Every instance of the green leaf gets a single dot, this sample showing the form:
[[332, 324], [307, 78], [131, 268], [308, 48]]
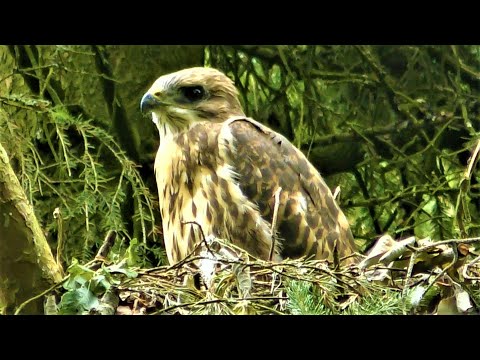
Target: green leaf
[[79, 275], [77, 301], [99, 284]]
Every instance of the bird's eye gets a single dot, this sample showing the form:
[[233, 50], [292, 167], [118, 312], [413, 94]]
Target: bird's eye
[[192, 93]]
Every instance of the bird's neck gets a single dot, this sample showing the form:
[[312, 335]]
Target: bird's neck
[[169, 132], [165, 131]]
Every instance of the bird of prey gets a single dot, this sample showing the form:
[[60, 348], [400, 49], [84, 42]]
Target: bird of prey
[[234, 177]]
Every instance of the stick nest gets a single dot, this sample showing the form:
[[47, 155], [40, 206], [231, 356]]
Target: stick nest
[[409, 276]]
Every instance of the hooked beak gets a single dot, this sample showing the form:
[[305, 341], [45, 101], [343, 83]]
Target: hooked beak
[[148, 103]]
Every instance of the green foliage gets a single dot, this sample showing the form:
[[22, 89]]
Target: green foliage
[[70, 163], [306, 298], [476, 296], [70, 121], [81, 288], [85, 287], [384, 301]]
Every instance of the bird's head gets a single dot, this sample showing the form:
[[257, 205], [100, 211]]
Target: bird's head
[[192, 95]]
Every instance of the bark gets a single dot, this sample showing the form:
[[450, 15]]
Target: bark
[[27, 266]]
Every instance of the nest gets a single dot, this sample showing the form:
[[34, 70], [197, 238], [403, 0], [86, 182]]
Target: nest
[[218, 278], [410, 276]]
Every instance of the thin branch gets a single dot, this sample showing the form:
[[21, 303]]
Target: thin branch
[[106, 245], [276, 195], [366, 195], [204, 240], [214, 301], [448, 242], [444, 270], [60, 241]]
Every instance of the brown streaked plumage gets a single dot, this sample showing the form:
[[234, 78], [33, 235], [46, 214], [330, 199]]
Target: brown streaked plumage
[[221, 169]]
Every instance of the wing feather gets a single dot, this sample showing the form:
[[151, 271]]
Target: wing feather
[[309, 220]]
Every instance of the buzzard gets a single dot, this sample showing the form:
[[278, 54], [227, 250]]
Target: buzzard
[[235, 178]]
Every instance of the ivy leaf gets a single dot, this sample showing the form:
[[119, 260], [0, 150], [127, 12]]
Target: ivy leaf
[[79, 275], [77, 302], [99, 284]]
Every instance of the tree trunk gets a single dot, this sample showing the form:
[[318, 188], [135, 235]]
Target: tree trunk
[[27, 266]]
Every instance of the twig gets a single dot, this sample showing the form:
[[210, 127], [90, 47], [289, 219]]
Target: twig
[[461, 208], [51, 288], [407, 277], [204, 240], [455, 258], [274, 221], [444, 242], [474, 74], [324, 271], [366, 195], [343, 258], [472, 161], [206, 302], [106, 245], [60, 243]]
